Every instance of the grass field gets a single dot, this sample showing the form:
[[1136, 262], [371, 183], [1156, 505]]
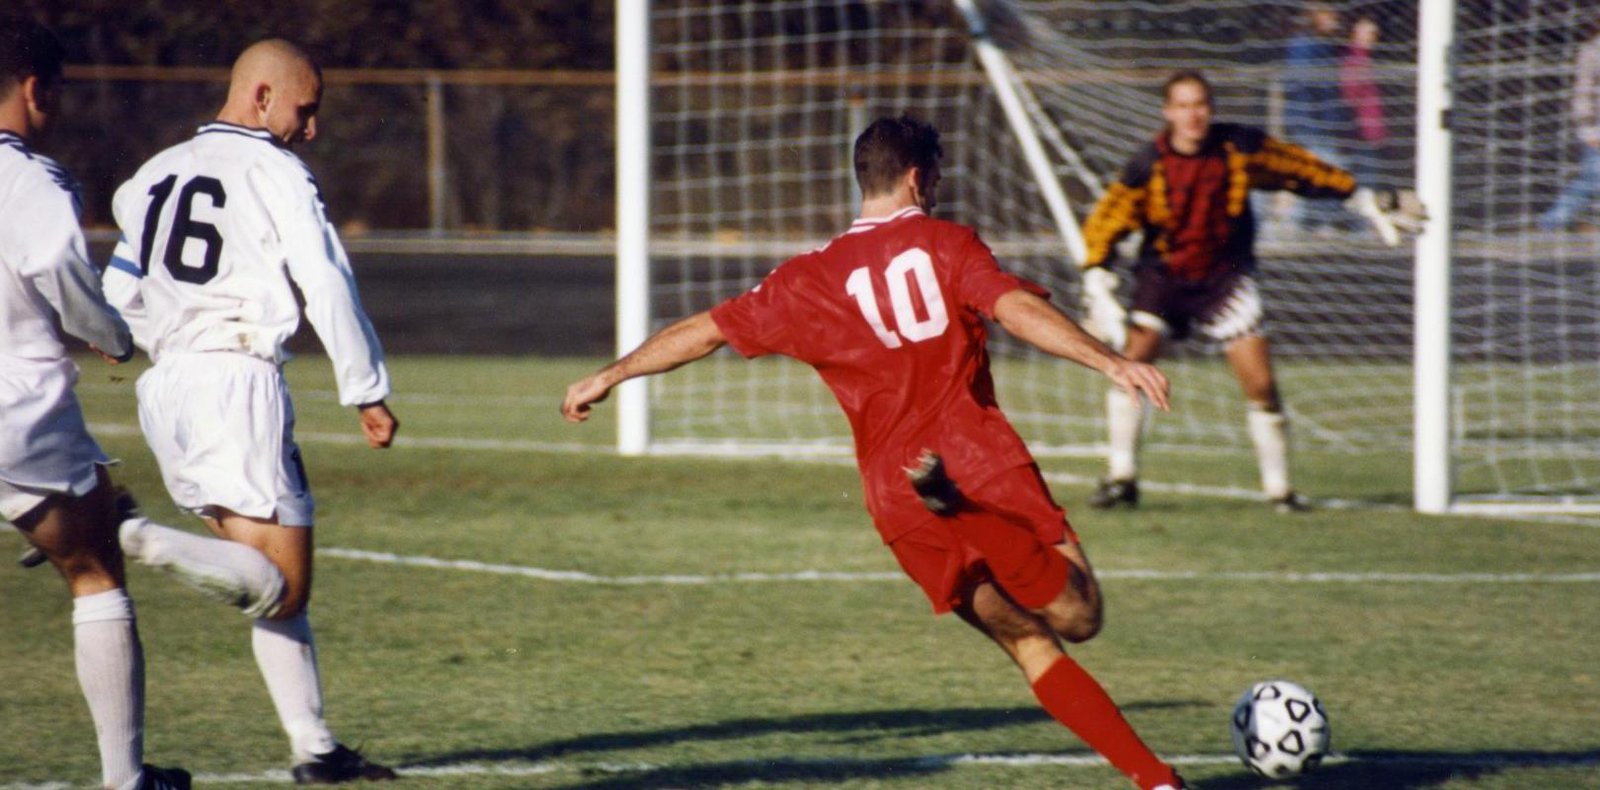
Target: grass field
[[502, 604]]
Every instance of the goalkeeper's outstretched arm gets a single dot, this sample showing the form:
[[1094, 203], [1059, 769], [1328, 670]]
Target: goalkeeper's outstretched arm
[[1392, 214], [1035, 321], [677, 345]]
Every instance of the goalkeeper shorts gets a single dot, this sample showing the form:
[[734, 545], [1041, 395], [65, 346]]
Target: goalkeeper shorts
[[1006, 534], [1221, 307]]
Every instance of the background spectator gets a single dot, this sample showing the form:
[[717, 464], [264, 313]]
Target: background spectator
[[1315, 115], [1580, 192]]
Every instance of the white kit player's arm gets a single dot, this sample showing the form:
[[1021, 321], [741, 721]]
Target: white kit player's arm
[[121, 280], [58, 266], [318, 265]]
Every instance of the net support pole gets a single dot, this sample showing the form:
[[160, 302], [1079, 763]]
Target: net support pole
[[438, 175], [1432, 478], [633, 215], [1004, 80]]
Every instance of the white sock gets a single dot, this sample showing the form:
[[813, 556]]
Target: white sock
[[1270, 432], [110, 663], [229, 572], [287, 657], [1123, 420]]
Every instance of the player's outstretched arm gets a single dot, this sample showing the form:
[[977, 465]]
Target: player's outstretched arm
[[1034, 320], [679, 344]]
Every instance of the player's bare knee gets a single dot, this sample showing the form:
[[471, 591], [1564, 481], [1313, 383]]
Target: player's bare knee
[[1081, 628], [293, 601], [1073, 619], [85, 570]]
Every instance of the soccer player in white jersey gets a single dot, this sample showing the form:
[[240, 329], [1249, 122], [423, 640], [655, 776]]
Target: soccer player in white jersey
[[216, 230], [53, 483]]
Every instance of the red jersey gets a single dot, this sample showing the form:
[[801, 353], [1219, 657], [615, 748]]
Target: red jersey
[[890, 314]]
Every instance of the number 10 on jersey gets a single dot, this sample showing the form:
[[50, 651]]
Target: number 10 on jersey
[[911, 263]]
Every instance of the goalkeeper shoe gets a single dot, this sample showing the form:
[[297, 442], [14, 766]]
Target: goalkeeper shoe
[[341, 765], [938, 492], [1111, 493], [1291, 503], [31, 558], [153, 778]]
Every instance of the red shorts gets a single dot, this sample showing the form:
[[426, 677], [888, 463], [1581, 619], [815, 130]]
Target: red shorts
[[1005, 534]]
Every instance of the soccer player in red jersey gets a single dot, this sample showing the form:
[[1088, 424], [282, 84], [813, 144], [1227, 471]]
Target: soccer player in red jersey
[[891, 315]]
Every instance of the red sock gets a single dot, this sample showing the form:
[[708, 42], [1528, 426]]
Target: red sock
[[1076, 699]]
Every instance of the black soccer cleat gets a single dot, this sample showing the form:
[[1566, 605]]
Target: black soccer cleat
[[938, 492], [125, 506], [32, 557], [1291, 503], [1110, 493], [341, 765], [153, 778]]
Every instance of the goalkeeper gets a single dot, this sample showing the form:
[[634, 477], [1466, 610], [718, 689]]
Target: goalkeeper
[[1189, 192]]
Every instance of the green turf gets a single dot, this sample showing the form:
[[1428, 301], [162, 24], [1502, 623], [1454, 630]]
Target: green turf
[[846, 684]]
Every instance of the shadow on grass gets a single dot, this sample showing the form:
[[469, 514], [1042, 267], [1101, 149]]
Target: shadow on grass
[[1398, 770], [859, 727]]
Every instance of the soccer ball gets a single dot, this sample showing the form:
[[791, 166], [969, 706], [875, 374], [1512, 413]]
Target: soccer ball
[[1279, 729]]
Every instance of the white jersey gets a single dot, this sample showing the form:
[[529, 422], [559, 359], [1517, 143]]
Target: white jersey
[[216, 231], [45, 275]]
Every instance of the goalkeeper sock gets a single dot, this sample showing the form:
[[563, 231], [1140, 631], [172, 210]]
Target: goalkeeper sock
[[1123, 420], [1269, 430], [230, 572], [1073, 697], [287, 656], [110, 664]]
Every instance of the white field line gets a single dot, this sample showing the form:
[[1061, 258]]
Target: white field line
[[831, 456], [437, 443], [939, 761], [427, 398], [582, 577]]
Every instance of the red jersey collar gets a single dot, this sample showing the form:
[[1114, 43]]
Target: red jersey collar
[[1164, 143], [866, 224]]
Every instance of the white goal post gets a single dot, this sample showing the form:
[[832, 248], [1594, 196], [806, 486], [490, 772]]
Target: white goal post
[[1475, 351]]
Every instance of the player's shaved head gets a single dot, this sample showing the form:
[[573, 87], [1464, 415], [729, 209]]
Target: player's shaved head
[[275, 86], [890, 147], [272, 61]]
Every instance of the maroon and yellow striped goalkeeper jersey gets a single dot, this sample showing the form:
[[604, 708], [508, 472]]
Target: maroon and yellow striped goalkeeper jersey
[[1195, 210]]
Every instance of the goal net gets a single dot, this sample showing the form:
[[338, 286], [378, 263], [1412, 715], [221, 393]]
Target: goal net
[[755, 106]]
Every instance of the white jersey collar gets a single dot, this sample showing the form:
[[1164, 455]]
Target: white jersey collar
[[223, 127], [868, 223], [13, 139]]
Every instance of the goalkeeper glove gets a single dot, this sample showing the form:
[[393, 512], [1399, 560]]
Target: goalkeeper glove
[[1391, 213], [1107, 319]]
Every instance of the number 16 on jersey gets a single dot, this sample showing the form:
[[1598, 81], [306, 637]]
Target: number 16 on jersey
[[184, 227]]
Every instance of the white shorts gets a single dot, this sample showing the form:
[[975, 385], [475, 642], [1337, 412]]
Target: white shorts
[[221, 426], [45, 448], [17, 501]]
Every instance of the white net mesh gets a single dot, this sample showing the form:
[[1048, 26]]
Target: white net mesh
[[756, 105], [1526, 323]]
